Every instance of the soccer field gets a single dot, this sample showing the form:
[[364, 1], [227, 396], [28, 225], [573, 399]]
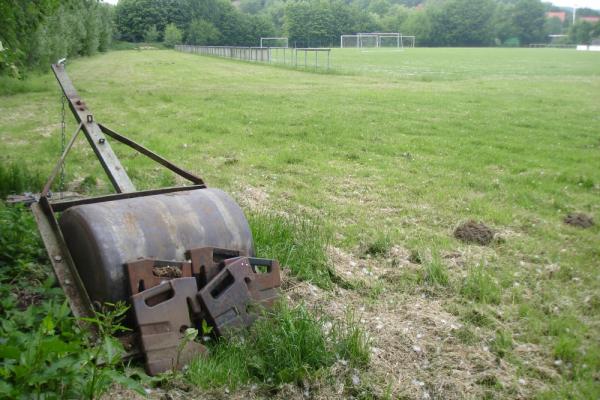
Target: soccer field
[[390, 152]]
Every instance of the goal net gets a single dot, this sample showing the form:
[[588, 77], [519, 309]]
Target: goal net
[[349, 41], [375, 40], [274, 42]]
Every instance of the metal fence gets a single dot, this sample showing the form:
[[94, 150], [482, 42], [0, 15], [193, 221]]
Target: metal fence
[[552, 45], [239, 53], [308, 57]]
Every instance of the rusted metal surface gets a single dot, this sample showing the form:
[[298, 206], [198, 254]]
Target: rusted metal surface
[[163, 314], [233, 298], [62, 205], [62, 263], [265, 282], [145, 274], [102, 237], [111, 164], [206, 262]]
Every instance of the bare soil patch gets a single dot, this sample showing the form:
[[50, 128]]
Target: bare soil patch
[[474, 232], [579, 220]]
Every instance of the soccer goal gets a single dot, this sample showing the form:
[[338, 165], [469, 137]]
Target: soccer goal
[[349, 41], [274, 42], [376, 40]]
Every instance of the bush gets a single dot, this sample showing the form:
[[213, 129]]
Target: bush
[[172, 35]]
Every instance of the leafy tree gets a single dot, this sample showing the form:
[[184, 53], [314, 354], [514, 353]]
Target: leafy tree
[[553, 26], [202, 32], [581, 32], [528, 19], [172, 35], [463, 22], [151, 34]]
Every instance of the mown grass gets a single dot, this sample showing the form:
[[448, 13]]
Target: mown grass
[[392, 149]]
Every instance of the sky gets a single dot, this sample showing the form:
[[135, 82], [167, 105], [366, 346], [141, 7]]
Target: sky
[[563, 3]]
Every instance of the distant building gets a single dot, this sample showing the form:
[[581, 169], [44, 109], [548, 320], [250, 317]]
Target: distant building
[[590, 18], [557, 14]]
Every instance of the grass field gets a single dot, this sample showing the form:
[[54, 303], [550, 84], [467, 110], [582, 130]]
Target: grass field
[[390, 152]]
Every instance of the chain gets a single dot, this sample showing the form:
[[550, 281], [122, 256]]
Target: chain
[[63, 142]]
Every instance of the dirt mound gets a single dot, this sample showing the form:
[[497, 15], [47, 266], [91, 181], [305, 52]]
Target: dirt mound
[[579, 220], [474, 232]]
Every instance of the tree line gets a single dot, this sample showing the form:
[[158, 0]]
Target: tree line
[[310, 23], [35, 33], [212, 22]]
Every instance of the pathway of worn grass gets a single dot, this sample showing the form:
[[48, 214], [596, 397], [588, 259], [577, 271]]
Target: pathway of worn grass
[[390, 160]]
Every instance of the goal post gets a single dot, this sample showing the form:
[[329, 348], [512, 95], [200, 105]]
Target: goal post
[[349, 41], [407, 41], [274, 42], [366, 40]]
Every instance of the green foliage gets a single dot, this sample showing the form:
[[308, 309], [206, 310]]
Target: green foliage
[[16, 178], [582, 32], [313, 23], [172, 35], [462, 22], [45, 355], [37, 34], [212, 21], [19, 243], [151, 34], [298, 243], [201, 32], [43, 351], [502, 344], [481, 286], [435, 272], [378, 246], [287, 345]]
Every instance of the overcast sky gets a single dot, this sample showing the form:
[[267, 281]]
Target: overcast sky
[[563, 3]]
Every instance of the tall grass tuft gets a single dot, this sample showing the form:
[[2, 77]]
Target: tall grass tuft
[[435, 272], [481, 286], [287, 345], [297, 242], [16, 178]]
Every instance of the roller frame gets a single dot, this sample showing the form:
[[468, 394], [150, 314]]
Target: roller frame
[[44, 210]]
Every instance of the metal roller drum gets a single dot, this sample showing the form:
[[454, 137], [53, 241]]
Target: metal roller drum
[[102, 237]]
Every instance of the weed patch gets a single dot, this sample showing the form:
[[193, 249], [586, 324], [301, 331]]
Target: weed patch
[[298, 243], [378, 247], [16, 179], [502, 344], [287, 345], [481, 286], [435, 273]]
